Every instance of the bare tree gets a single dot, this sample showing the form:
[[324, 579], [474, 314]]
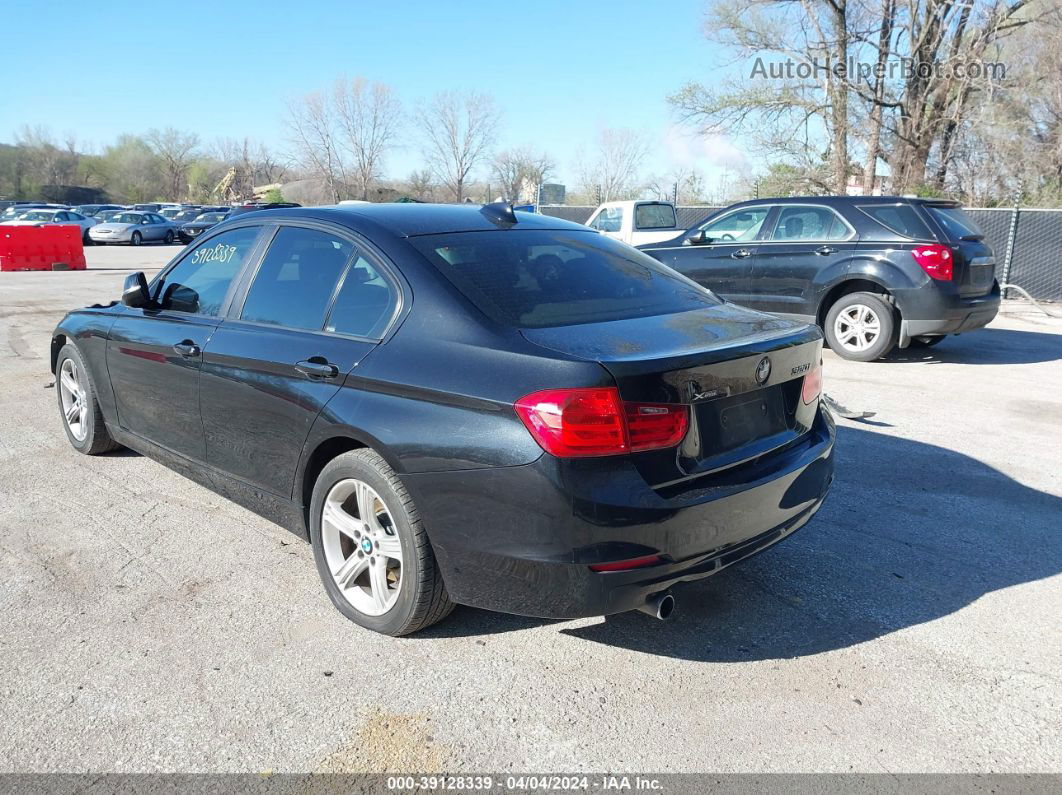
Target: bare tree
[[421, 185], [615, 165], [176, 150], [521, 171], [369, 115], [314, 132], [458, 129]]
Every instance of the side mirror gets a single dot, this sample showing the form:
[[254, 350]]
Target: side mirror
[[135, 291], [698, 238]]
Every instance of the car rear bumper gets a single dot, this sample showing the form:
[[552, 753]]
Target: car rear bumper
[[933, 312], [521, 539]]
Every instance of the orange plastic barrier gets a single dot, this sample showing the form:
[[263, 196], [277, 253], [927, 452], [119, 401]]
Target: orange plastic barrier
[[41, 248]]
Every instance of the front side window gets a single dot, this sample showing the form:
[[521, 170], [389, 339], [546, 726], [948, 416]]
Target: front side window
[[297, 278], [199, 282], [809, 223], [740, 225], [608, 220], [541, 279], [365, 302], [654, 216]]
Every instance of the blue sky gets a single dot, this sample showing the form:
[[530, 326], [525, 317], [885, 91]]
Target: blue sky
[[560, 71]]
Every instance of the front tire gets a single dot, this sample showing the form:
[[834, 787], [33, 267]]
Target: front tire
[[136, 239], [372, 550], [85, 239], [78, 407], [861, 327]]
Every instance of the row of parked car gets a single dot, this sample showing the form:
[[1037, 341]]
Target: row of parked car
[[103, 224]]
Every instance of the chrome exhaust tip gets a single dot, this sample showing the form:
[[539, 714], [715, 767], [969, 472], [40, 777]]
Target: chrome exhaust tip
[[661, 606]]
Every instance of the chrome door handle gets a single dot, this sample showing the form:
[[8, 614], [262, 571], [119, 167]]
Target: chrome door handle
[[824, 250], [316, 367], [187, 349], [741, 253]]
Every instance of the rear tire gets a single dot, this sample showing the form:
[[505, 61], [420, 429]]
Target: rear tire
[[78, 407], [169, 238], [85, 239], [371, 549], [135, 239], [861, 327]]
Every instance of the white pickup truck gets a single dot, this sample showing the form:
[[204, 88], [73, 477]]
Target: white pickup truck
[[636, 222]]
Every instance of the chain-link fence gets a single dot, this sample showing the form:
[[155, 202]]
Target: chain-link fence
[[1027, 242]]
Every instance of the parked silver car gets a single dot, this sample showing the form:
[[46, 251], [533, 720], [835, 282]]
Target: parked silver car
[[46, 216], [134, 228]]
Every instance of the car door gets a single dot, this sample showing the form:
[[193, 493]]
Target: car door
[[315, 307], [723, 262], [154, 354], [806, 243]]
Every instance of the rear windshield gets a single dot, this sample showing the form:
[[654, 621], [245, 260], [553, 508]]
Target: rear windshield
[[956, 223], [541, 279], [903, 219], [654, 216]]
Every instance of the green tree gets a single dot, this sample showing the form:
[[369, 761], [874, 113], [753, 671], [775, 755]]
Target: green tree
[[273, 196]]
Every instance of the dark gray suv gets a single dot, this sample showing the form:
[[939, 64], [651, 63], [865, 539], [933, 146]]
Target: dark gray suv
[[875, 272]]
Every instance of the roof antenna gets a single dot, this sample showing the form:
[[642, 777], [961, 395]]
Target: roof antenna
[[500, 213]]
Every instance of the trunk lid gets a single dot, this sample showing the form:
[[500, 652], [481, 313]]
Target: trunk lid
[[739, 372]]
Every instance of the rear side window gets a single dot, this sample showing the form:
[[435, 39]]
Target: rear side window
[[654, 216], [200, 281], [903, 219], [956, 223], [365, 302], [809, 223], [297, 278], [541, 279]]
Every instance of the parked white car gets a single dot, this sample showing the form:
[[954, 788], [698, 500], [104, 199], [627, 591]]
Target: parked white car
[[47, 216], [636, 222]]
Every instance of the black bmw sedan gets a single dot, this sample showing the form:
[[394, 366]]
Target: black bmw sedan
[[460, 404]]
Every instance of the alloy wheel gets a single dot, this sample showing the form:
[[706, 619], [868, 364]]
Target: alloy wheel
[[857, 327], [74, 400], [362, 547]]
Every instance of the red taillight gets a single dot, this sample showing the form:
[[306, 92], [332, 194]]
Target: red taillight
[[626, 565], [812, 387], [936, 260], [585, 422]]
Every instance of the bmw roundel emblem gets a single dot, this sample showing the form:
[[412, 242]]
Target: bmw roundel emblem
[[763, 370]]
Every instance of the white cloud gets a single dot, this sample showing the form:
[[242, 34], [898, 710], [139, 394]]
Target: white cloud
[[693, 150]]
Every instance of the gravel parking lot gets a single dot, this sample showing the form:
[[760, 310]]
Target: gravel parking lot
[[148, 624]]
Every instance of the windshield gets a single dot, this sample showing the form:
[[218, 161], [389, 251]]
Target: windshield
[[13, 213], [955, 222], [169, 212], [127, 218], [542, 279], [211, 217], [109, 215]]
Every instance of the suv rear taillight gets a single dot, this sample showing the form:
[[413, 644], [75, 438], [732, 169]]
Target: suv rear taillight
[[936, 260], [588, 422]]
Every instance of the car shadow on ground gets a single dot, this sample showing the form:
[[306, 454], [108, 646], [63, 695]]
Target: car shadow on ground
[[911, 533], [986, 346]]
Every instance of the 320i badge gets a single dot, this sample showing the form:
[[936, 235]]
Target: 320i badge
[[460, 404]]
